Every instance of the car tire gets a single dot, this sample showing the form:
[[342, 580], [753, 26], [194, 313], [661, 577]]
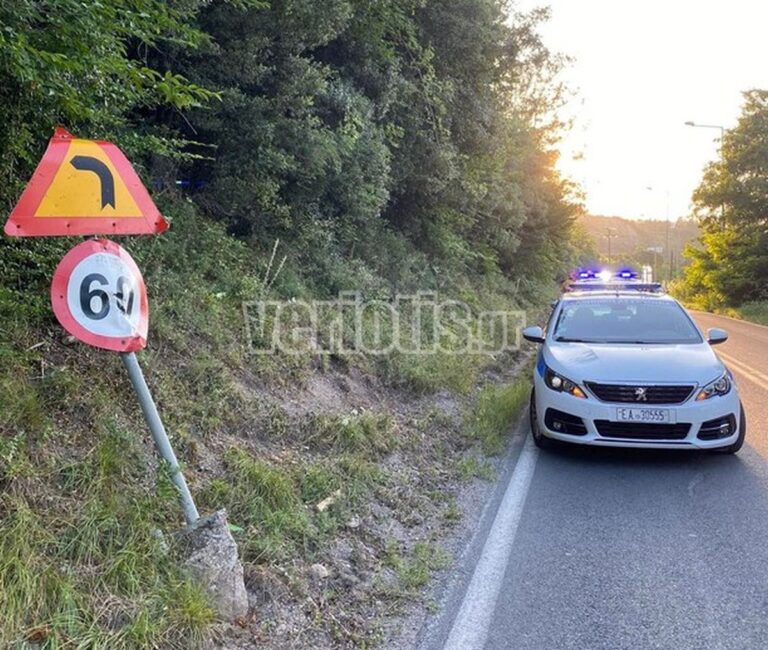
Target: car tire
[[734, 447], [540, 440]]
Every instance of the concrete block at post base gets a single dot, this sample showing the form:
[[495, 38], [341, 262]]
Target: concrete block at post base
[[209, 553]]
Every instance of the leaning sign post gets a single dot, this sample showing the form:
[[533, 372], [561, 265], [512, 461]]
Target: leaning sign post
[[85, 187]]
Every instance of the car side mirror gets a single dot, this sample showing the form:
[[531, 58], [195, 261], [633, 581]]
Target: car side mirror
[[715, 336], [534, 334]]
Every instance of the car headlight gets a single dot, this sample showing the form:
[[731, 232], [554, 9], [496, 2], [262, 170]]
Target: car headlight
[[562, 384], [721, 386]]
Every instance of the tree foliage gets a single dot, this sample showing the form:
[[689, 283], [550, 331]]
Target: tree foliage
[[352, 127], [731, 204], [395, 143], [85, 65]]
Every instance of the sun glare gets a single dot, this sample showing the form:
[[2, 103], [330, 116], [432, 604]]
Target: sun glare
[[641, 71]]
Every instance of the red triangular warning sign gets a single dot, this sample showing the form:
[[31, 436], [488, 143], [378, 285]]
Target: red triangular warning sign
[[84, 187]]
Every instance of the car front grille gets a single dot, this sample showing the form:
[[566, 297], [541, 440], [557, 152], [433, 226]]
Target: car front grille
[[642, 430], [626, 393]]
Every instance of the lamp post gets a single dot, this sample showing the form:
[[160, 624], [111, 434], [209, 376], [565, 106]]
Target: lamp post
[[708, 126], [722, 158], [610, 233], [666, 249]]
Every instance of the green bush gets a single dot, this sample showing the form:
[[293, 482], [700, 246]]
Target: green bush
[[495, 411]]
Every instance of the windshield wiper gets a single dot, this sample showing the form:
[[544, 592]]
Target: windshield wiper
[[565, 339]]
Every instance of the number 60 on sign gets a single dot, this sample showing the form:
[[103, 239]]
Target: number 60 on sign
[[98, 296]]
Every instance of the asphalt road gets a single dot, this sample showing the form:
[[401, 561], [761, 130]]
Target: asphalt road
[[612, 549], [746, 354]]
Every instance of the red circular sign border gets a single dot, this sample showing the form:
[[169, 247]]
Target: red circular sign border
[[64, 315]]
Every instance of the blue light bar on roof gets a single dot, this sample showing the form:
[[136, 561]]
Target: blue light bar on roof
[[616, 285], [626, 274]]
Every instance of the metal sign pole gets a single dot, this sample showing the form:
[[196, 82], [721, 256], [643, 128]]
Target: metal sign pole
[[158, 433]]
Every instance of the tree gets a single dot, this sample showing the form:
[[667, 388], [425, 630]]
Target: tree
[[86, 66], [346, 122], [731, 205]]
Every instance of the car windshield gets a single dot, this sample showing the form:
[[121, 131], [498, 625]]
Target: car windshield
[[619, 320]]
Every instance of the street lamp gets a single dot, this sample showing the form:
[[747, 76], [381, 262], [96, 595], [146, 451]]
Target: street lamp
[[722, 158], [708, 126]]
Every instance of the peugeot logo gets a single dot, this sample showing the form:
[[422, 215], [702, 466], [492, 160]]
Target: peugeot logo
[[640, 394]]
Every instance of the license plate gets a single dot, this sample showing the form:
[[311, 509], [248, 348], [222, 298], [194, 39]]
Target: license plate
[[663, 416]]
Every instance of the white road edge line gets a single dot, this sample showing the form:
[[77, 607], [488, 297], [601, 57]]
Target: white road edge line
[[472, 624], [750, 373]]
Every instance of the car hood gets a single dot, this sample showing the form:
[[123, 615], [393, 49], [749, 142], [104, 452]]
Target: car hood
[[635, 363]]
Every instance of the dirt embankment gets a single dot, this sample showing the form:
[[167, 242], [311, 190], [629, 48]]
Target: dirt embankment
[[370, 577]]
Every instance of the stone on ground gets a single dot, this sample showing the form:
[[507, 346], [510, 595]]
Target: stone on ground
[[209, 553]]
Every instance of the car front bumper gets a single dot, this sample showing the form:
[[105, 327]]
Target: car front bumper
[[592, 410]]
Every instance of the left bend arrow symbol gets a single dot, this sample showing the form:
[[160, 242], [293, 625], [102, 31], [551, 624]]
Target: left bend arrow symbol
[[90, 164]]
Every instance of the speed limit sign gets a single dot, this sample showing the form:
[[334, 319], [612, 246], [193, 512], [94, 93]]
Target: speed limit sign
[[98, 296]]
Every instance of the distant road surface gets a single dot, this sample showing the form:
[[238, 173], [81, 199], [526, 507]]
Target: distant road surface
[[602, 549]]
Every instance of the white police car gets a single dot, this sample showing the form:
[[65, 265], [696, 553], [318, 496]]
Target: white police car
[[623, 367]]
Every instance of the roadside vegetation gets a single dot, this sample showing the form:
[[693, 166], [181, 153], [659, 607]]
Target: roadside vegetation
[[757, 312], [727, 269], [496, 406], [299, 149]]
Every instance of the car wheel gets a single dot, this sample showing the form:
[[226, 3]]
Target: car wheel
[[734, 447], [541, 441]]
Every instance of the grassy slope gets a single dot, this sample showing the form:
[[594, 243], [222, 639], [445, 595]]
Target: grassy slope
[[85, 512], [757, 312]]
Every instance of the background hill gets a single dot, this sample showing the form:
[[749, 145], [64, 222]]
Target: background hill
[[634, 241]]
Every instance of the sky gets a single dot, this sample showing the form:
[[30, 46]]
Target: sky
[[640, 71]]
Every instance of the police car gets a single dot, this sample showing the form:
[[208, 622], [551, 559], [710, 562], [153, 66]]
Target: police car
[[622, 364]]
